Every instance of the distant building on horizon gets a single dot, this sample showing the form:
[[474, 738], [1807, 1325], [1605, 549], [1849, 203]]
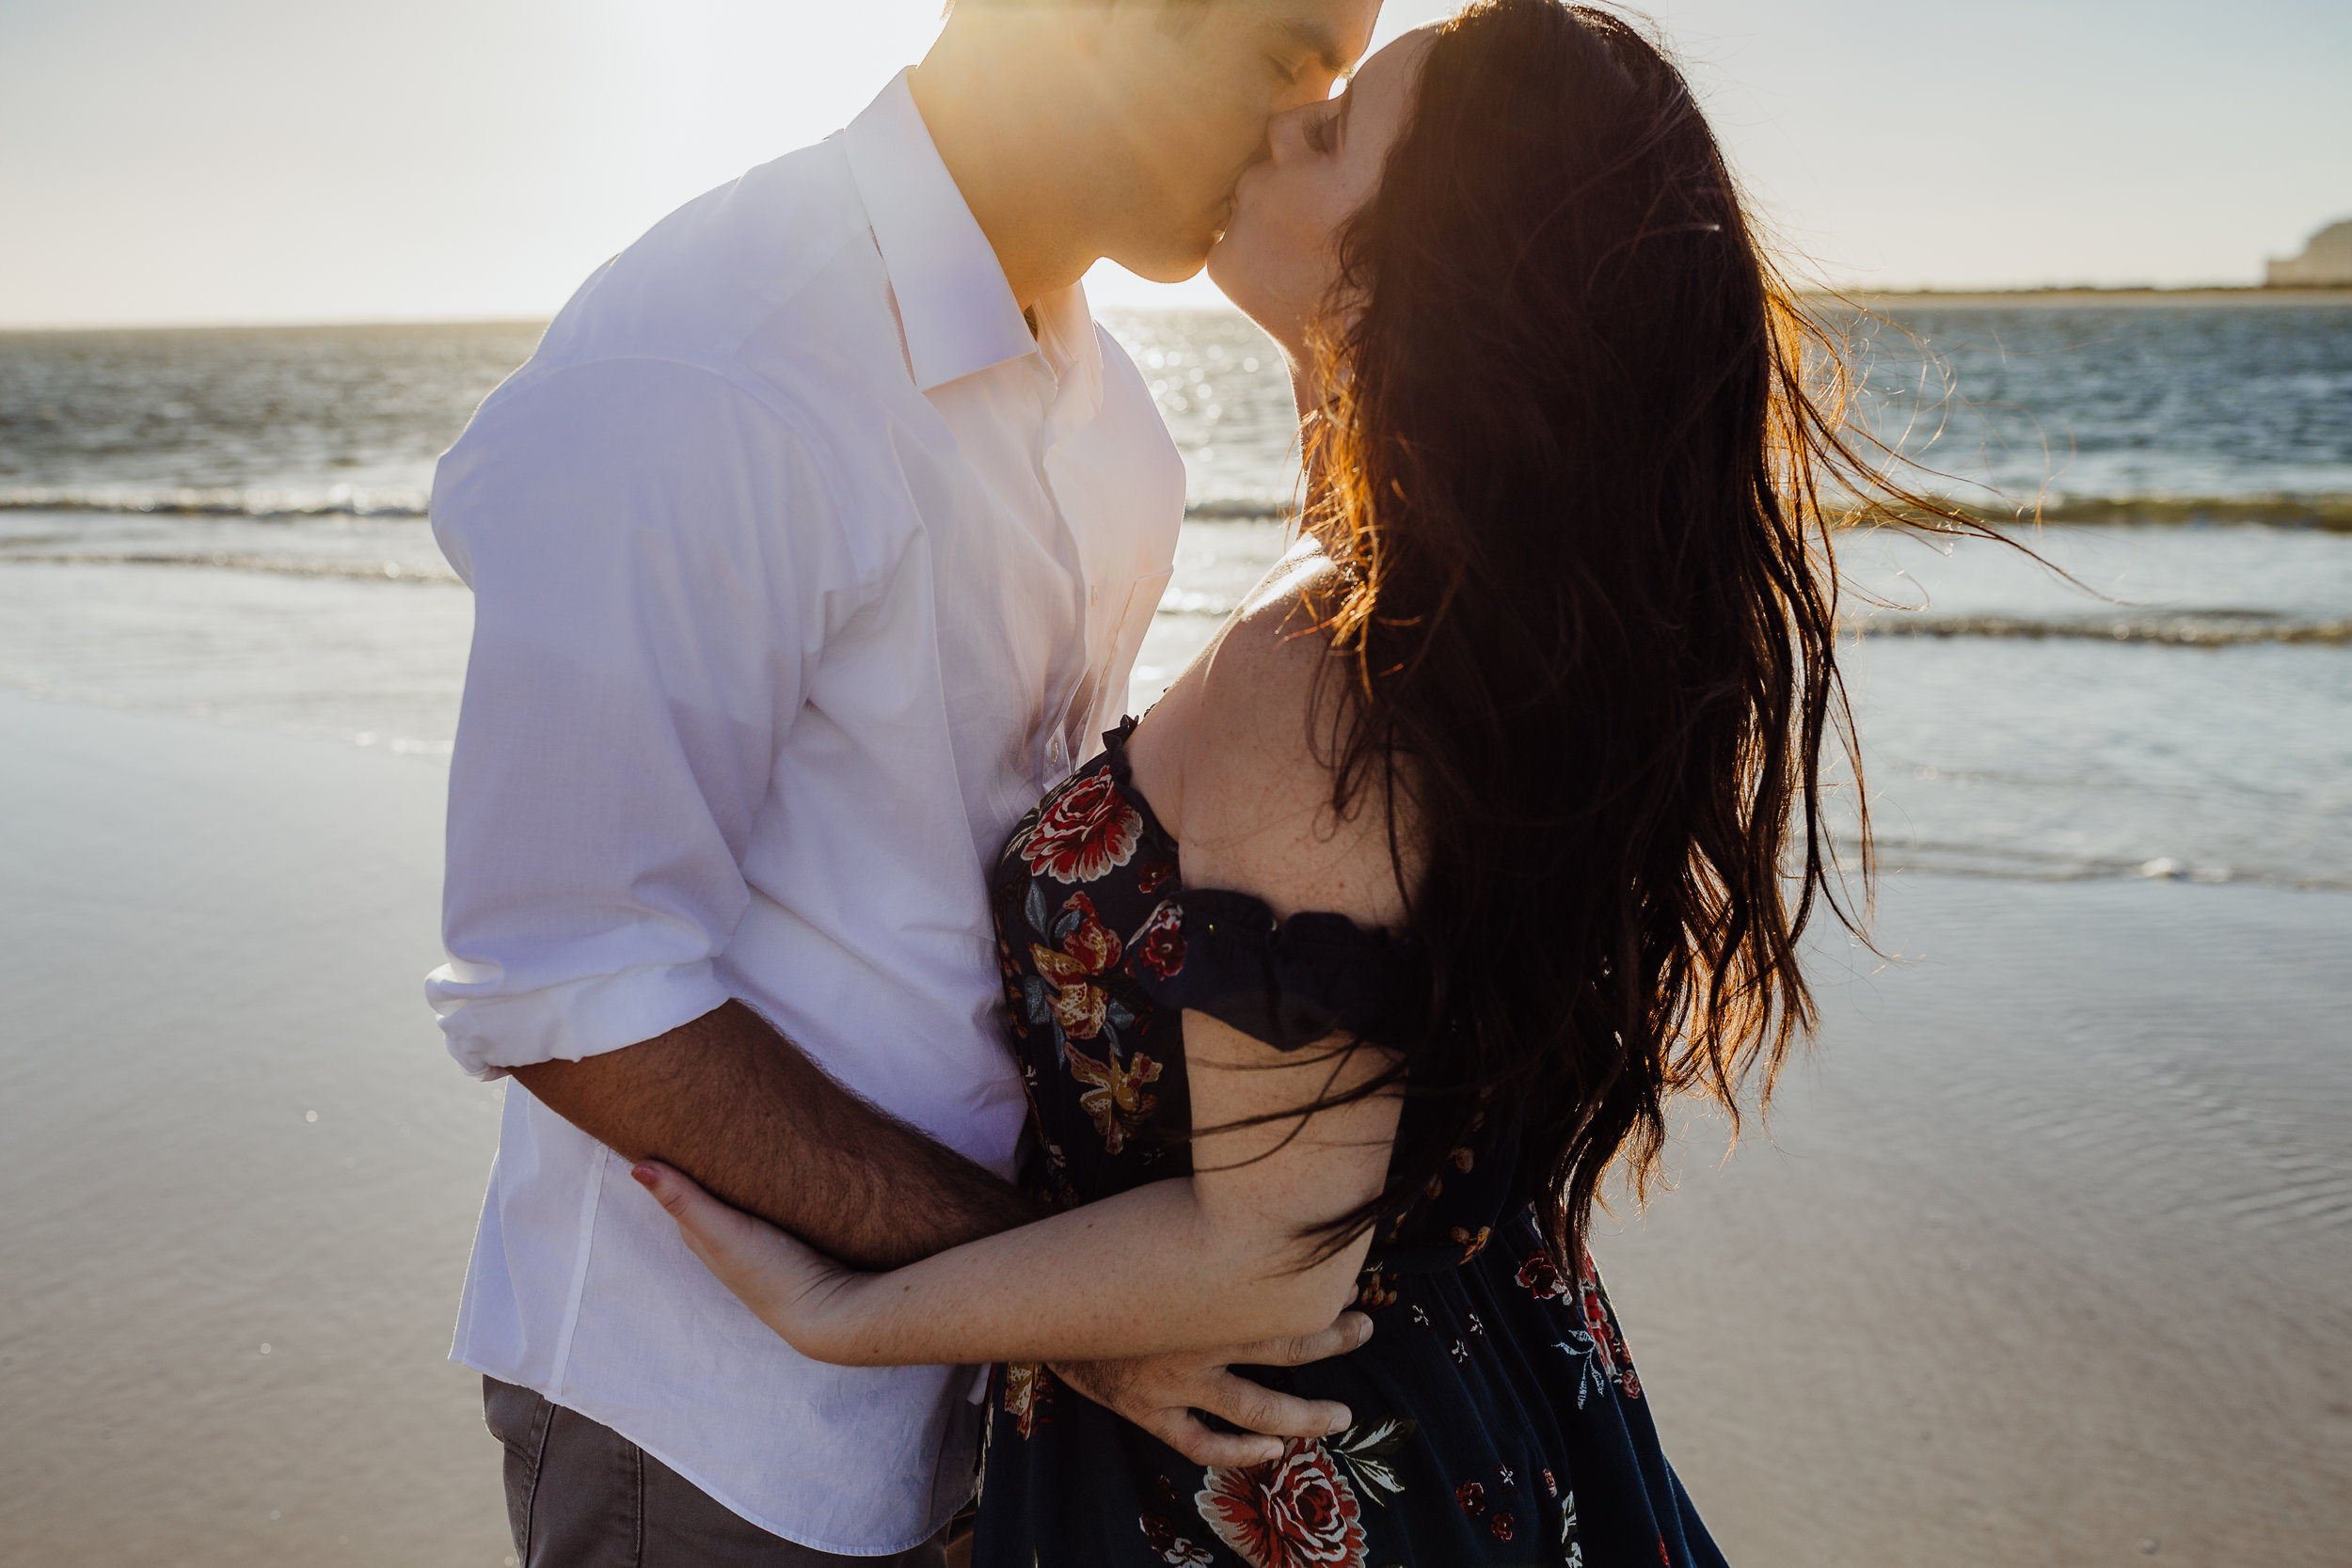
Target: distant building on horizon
[[2325, 262]]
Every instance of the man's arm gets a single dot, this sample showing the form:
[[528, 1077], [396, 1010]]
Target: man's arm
[[737, 1106], [741, 1109]]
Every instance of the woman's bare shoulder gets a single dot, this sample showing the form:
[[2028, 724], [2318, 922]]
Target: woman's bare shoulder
[[1260, 728]]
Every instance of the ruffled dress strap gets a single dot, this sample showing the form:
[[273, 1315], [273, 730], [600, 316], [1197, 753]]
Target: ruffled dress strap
[[1288, 983]]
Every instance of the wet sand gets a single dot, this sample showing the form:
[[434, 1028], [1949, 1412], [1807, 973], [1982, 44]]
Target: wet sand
[[2049, 1257], [2050, 1260], [223, 1323]]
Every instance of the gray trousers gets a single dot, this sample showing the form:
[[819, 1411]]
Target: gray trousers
[[582, 1495]]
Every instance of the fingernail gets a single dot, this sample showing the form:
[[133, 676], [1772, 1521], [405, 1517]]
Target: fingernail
[[1363, 1331], [645, 1176], [1340, 1422]]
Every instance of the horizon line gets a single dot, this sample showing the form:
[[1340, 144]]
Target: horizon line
[[2017, 291]]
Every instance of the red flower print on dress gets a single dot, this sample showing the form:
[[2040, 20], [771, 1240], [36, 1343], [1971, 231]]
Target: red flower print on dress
[[1076, 1004], [1028, 1392], [1154, 874], [1499, 1525], [1091, 943], [1472, 1497], [1296, 1512], [1176, 1550], [1089, 829], [1597, 1325], [1087, 949], [1601, 1342], [1541, 1277], [1115, 1096], [1158, 945]]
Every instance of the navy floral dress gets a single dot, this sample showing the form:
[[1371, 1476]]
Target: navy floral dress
[[1498, 1418]]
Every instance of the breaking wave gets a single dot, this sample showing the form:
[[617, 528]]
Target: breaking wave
[[242, 560], [2187, 628], [256, 504]]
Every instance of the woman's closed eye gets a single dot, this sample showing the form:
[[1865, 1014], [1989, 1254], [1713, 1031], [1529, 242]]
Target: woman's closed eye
[[1323, 131]]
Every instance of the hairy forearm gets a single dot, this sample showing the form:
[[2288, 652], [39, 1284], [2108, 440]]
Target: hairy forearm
[[737, 1107], [1147, 1272]]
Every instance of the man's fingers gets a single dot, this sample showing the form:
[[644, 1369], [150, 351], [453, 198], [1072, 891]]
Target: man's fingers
[[1347, 1331], [1182, 1431], [1255, 1407]]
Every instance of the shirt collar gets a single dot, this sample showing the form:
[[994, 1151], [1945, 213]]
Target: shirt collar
[[1066, 338], [954, 305]]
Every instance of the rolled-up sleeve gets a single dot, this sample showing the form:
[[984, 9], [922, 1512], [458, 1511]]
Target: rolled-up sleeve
[[656, 560]]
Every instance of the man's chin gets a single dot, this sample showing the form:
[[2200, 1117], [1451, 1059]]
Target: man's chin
[[1177, 258], [1169, 269]]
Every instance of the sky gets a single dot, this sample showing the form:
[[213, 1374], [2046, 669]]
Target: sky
[[330, 160]]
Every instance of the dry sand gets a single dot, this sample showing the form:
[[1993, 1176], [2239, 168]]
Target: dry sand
[[2050, 1263]]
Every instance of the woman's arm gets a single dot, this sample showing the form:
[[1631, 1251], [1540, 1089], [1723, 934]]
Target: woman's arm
[[1219, 1258]]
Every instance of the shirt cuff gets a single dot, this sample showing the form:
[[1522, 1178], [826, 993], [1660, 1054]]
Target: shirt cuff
[[490, 1033]]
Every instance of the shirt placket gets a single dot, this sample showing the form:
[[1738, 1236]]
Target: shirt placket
[[1080, 690]]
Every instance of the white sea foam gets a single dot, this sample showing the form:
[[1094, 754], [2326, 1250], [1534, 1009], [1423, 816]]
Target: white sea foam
[[232, 523], [337, 500]]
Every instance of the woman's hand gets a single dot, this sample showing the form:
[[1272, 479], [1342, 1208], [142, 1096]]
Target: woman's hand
[[799, 1293]]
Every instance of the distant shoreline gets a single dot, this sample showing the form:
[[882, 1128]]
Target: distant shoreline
[[2253, 294], [2250, 294]]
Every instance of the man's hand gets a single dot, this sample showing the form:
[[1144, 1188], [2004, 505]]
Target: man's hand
[[1166, 1395]]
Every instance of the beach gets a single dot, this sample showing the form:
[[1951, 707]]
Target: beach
[[2045, 1258], [242, 1177], [2048, 1255]]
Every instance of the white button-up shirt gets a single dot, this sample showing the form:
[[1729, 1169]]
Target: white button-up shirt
[[800, 570]]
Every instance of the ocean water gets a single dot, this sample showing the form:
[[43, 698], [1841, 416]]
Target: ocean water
[[2198, 410], [232, 524]]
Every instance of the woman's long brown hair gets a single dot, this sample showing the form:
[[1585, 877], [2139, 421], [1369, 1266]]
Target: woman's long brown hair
[[1575, 453]]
